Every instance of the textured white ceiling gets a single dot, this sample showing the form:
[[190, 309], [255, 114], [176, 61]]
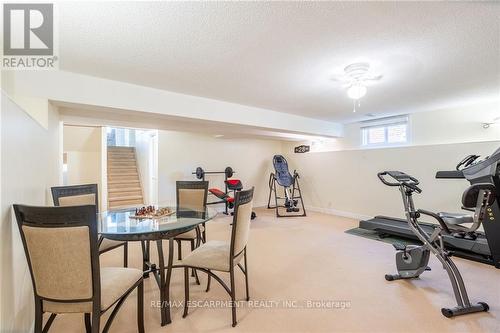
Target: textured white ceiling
[[282, 55]]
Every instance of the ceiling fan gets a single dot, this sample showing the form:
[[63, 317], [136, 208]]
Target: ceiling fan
[[355, 78]]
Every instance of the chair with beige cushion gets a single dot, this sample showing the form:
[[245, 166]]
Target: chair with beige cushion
[[223, 256], [76, 195], [60, 244], [191, 196]]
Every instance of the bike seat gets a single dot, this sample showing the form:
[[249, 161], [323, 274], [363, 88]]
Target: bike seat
[[455, 218]]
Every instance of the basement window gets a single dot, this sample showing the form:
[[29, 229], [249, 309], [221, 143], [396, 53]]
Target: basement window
[[384, 132]]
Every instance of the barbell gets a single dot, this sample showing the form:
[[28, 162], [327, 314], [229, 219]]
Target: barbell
[[200, 173]]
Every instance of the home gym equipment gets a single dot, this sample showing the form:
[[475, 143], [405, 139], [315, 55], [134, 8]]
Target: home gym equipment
[[223, 195], [200, 173], [457, 173], [465, 242], [412, 260], [290, 185], [230, 185], [233, 185]]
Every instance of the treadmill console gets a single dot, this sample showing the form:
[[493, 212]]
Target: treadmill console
[[472, 168], [489, 166]]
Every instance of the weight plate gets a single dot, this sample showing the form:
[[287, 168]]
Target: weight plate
[[200, 173]]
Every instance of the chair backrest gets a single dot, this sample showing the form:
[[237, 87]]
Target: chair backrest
[[241, 221], [61, 248], [192, 195], [75, 195]]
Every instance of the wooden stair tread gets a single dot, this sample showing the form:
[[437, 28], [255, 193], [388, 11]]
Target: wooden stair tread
[[112, 182], [115, 148], [130, 197], [123, 194], [124, 189], [121, 155], [133, 205], [136, 203], [122, 174]]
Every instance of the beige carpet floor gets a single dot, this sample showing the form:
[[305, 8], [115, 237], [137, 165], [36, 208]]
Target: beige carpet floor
[[307, 275]]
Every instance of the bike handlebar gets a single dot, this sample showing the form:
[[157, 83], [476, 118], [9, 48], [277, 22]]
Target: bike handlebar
[[413, 187], [401, 179]]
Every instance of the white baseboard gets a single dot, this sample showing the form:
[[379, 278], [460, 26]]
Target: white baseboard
[[331, 211]]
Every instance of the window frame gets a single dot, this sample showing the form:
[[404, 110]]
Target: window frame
[[385, 123]]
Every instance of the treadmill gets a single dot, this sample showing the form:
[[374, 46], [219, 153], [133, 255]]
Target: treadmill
[[485, 248]]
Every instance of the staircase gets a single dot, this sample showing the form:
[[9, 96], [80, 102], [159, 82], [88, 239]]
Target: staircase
[[124, 184]]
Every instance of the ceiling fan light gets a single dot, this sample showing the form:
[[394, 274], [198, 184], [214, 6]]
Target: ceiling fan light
[[356, 91]]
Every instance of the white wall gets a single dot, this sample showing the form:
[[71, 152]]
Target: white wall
[[452, 125], [83, 146], [455, 125], [30, 165], [144, 146], [346, 183], [36, 106], [342, 179], [180, 154]]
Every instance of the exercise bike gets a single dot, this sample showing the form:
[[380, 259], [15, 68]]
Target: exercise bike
[[412, 260]]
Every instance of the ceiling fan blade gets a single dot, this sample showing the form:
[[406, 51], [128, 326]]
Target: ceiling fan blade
[[374, 78], [337, 79]]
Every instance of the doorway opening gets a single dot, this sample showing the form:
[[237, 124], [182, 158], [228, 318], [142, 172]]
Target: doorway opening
[[131, 174]]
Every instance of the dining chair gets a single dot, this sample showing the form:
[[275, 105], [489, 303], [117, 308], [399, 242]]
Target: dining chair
[[60, 244], [87, 194], [223, 256], [191, 195]]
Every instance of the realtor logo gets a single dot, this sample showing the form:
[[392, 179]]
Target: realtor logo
[[28, 36]]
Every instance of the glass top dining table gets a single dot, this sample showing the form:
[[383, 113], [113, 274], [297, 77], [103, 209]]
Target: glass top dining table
[[121, 225]]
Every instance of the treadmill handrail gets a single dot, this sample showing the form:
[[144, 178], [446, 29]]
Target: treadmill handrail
[[466, 162]]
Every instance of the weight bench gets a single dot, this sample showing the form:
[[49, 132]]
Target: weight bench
[[228, 173], [223, 196], [232, 185]]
